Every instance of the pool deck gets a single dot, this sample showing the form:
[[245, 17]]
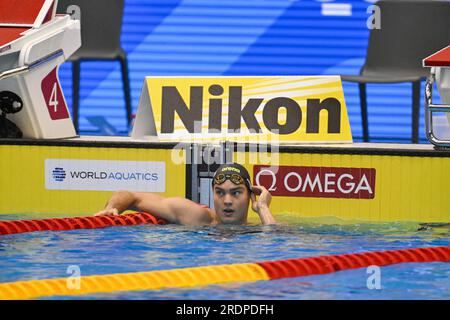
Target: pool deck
[[427, 150]]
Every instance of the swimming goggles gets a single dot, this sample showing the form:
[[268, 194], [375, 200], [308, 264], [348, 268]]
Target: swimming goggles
[[233, 177], [222, 177]]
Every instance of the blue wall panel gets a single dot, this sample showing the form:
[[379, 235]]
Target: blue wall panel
[[243, 37]]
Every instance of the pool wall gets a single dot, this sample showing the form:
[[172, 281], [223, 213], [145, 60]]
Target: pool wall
[[36, 178], [364, 182], [369, 183]]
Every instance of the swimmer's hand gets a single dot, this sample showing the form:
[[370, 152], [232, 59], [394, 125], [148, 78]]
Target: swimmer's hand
[[263, 200], [107, 212], [261, 206]]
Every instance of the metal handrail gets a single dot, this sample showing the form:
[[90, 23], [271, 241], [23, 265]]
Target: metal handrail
[[13, 72], [429, 109], [35, 64]]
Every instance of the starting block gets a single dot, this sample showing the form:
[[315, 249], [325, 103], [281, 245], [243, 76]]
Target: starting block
[[34, 42], [440, 73]]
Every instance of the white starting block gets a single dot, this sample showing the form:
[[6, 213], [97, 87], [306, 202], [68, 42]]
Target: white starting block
[[438, 130], [34, 42]]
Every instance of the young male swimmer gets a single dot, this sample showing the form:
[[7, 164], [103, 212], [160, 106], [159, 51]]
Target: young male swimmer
[[232, 195]]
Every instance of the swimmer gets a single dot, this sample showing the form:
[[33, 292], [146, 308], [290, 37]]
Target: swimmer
[[232, 191]]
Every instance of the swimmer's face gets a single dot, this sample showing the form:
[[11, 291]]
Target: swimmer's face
[[231, 202]]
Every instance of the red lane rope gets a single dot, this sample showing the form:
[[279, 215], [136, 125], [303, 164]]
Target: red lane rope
[[332, 263], [59, 224]]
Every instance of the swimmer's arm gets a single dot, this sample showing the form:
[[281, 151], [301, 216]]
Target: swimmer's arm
[[262, 205], [174, 210], [265, 215]]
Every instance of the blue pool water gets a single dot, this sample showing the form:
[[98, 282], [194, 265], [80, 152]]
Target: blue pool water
[[42, 255]]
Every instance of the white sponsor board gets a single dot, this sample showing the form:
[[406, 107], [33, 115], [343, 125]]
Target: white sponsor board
[[105, 175]]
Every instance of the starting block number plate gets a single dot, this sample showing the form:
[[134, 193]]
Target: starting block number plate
[[53, 96]]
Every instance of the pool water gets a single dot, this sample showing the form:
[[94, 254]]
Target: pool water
[[43, 255]]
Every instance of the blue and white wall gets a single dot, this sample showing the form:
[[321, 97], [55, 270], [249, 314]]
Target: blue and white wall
[[243, 37]]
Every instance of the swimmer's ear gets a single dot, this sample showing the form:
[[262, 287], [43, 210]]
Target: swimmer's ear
[[254, 202]]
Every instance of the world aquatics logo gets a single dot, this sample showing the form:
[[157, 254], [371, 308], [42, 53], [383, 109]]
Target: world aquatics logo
[[59, 174]]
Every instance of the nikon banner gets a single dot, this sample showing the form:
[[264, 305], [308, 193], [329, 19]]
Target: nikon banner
[[249, 109]]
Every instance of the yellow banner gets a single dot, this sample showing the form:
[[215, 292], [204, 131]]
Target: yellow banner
[[308, 109], [29, 180]]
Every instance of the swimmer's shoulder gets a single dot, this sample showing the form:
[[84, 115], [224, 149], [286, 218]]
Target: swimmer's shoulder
[[211, 214]]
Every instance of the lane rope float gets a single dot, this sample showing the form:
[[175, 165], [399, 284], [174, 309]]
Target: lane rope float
[[60, 224], [210, 275]]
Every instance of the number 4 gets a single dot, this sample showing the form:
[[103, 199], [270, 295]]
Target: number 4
[[54, 98]]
